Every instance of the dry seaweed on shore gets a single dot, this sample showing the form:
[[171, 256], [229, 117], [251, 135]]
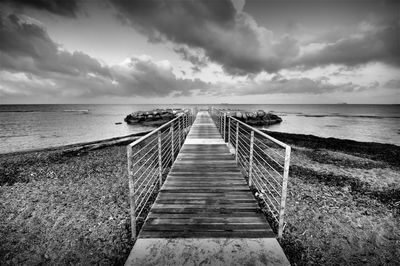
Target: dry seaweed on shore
[[384, 153]]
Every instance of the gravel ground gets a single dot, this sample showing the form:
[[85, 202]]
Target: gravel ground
[[63, 209], [344, 202], [60, 208]]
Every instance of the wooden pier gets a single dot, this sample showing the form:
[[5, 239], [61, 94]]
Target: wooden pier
[[205, 194], [205, 203]]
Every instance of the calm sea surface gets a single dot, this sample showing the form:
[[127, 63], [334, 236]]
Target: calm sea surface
[[24, 127]]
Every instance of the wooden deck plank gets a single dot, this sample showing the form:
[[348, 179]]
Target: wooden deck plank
[[207, 234], [205, 215], [207, 220], [204, 201], [204, 227], [178, 196], [205, 193]]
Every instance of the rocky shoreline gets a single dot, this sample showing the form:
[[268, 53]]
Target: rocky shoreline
[[72, 207]]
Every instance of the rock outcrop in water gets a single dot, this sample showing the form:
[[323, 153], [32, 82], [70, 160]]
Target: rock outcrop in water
[[155, 117], [259, 118]]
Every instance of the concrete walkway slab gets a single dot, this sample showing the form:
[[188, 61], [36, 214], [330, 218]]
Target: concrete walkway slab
[[207, 251]]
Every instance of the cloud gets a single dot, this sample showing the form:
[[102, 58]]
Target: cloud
[[371, 44], [281, 85], [195, 57], [392, 84], [232, 38], [31, 63], [143, 77], [67, 8], [27, 47], [226, 36], [136, 76], [220, 31]]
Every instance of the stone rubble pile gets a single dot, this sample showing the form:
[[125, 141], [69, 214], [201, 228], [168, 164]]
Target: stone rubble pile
[[163, 115], [258, 118]]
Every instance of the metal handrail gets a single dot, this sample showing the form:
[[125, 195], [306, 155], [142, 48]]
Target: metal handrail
[[150, 159], [258, 160]]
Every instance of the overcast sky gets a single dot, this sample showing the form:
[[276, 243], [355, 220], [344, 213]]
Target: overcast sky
[[192, 51]]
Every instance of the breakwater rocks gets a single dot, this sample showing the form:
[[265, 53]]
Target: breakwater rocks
[[155, 117], [258, 118]]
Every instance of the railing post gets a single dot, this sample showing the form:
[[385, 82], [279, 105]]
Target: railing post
[[251, 158], [284, 190], [220, 124], [237, 142], [132, 200], [224, 127], [229, 128], [179, 131], [160, 170], [171, 129]]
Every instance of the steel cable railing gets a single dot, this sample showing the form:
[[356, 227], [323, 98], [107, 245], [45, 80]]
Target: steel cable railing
[[149, 161], [263, 160]]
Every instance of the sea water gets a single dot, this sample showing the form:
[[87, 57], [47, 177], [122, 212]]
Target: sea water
[[24, 127]]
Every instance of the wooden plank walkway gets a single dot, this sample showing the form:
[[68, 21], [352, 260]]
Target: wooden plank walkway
[[205, 194]]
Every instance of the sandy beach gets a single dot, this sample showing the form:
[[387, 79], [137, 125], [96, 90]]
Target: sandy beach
[[71, 207]]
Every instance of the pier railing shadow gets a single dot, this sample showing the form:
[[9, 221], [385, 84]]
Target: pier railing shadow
[[263, 160], [150, 159]]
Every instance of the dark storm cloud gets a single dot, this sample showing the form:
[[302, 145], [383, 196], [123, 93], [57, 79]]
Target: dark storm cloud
[[230, 38], [68, 8], [27, 47], [241, 46]]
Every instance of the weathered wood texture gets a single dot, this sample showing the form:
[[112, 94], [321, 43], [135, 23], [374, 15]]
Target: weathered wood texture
[[205, 194]]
